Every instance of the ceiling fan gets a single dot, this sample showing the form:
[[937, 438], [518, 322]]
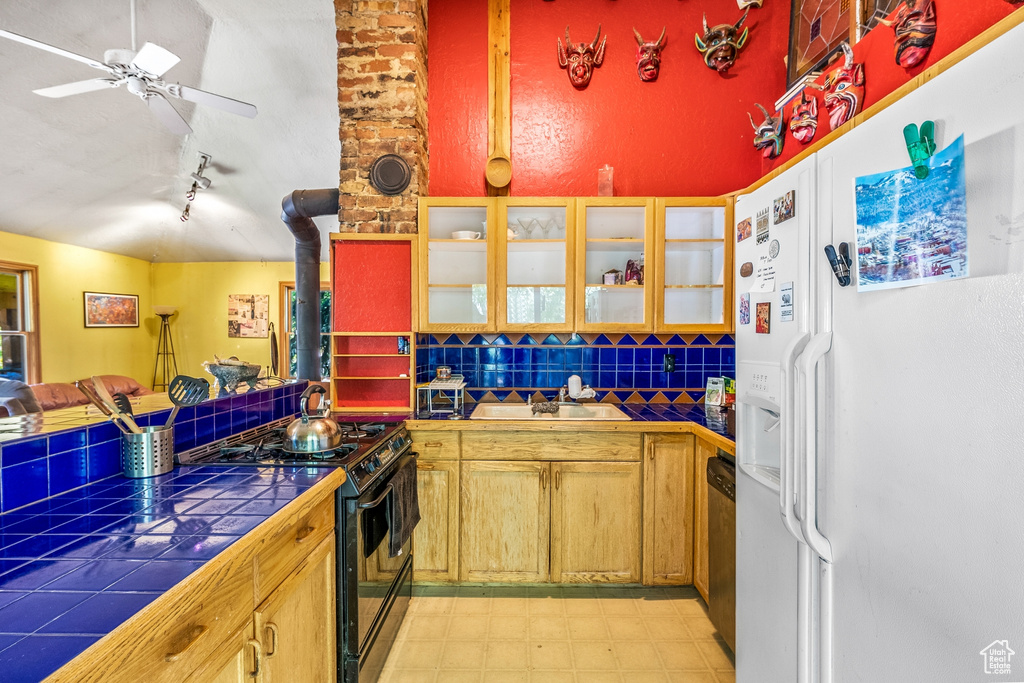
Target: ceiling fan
[[141, 72]]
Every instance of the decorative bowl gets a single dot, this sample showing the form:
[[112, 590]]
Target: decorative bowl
[[230, 376]]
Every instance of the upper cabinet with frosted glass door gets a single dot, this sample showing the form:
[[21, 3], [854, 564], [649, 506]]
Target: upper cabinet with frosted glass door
[[458, 283], [614, 241], [693, 269], [535, 264]]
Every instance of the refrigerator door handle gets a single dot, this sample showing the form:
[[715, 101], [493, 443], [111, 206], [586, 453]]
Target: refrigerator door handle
[[790, 433], [817, 347]]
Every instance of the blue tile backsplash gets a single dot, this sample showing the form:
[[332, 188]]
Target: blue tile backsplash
[[621, 367], [40, 466]]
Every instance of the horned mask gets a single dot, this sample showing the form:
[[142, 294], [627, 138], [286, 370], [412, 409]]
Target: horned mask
[[914, 24], [769, 136], [844, 90], [744, 4], [804, 121], [721, 44], [648, 56], [580, 59]]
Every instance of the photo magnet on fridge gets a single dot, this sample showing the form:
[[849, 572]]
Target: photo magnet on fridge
[[744, 309], [764, 318], [784, 207], [762, 226], [743, 230]]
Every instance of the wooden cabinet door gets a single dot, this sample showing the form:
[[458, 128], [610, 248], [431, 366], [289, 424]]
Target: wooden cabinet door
[[505, 521], [705, 452], [668, 509], [595, 522], [296, 626], [244, 661], [436, 539]]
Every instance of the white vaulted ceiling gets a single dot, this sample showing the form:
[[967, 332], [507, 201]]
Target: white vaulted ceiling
[[97, 170]]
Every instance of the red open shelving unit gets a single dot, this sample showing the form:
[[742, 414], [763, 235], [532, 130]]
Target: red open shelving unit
[[373, 352]]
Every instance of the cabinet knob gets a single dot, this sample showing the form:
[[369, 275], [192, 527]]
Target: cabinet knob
[[272, 627], [544, 480]]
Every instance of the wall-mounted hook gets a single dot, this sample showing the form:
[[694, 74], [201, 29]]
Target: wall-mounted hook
[[840, 262], [920, 145]]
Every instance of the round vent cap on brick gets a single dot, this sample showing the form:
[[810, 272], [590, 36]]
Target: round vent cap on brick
[[390, 174]]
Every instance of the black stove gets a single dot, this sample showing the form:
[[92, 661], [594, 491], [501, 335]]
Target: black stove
[[366, 448]]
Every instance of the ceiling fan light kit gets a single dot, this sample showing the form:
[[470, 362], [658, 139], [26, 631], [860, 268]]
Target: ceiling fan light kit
[[141, 72]]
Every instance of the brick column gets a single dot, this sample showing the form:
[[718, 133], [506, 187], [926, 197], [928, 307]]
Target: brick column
[[382, 100]]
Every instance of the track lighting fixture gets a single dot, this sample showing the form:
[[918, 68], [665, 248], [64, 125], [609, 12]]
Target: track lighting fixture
[[199, 182]]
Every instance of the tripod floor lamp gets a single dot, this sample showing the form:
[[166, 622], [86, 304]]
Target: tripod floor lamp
[[166, 366]]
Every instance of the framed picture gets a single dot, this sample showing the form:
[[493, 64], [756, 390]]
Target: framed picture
[[111, 310], [816, 30]]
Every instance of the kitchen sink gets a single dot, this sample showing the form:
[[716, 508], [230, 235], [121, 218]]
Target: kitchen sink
[[567, 411]]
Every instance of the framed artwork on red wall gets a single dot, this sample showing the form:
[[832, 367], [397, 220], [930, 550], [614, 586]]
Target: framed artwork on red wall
[[817, 29]]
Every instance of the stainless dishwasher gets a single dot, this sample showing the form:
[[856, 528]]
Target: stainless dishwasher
[[721, 474]]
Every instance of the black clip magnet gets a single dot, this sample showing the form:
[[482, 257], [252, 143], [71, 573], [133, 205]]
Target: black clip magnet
[[840, 262]]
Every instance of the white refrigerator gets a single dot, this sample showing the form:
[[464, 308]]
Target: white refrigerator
[[880, 515]]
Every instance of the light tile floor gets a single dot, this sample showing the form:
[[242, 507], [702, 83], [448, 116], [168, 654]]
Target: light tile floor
[[557, 634]]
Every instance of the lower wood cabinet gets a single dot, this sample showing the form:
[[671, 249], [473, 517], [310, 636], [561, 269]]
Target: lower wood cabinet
[[245, 663], [296, 624], [436, 539], [595, 522], [505, 526], [560, 521], [704, 452], [668, 509]]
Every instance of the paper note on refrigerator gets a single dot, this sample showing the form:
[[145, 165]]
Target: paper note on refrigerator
[[765, 280]]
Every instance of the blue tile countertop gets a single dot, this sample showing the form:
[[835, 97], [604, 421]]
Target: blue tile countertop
[[709, 417], [75, 566]]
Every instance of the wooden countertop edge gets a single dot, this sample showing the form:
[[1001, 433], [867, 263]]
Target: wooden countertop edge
[[681, 427], [141, 628]]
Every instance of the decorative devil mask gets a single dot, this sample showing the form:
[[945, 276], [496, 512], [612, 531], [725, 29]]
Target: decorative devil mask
[[844, 90], [721, 44], [804, 121], [744, 4], [769, 136], [648, 56], [580, 59], [914, 24]]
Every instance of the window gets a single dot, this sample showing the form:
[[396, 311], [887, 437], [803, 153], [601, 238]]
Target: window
[[288, 356], [19, 322]]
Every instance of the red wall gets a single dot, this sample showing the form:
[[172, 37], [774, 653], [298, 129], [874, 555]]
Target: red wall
[[958, 22], [685, 134]]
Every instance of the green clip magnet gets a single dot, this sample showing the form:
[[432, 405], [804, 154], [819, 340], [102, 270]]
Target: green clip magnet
[[920, 145]]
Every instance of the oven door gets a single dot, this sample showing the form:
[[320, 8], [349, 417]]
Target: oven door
[[377, 573]]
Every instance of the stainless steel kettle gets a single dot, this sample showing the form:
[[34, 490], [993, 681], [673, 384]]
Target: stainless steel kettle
[[312, 433]]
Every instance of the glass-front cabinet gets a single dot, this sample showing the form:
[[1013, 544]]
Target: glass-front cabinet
[[457, 286], [614, 236], [693, 271], [535, 264]]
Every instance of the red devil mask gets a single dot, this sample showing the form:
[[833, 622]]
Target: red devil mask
[[804, 121], [769, 136], [648, 56], [721, 44], [580, 59], [844, 90], [914, 24]]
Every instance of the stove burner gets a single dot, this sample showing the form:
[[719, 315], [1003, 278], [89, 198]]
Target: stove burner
[[357, 431]]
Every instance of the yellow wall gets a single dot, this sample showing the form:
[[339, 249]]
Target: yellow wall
[[199, 329], [200, 291], [70, 351]]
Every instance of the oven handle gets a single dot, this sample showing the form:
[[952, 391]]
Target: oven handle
[[378, 500]]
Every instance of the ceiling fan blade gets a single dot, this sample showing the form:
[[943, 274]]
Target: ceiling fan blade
[[167, 114], [154, 59], [77, 88], [55, 50], [219, 101]]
